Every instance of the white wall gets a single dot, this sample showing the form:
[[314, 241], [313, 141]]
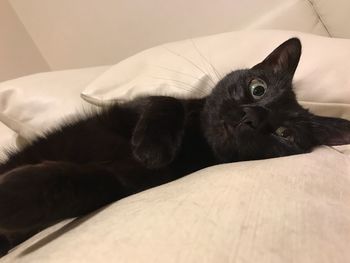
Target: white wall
[[81, 33], [18, 54]]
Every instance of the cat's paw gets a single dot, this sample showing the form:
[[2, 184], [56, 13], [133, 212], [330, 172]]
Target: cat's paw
[[155, 153], [158, 134]]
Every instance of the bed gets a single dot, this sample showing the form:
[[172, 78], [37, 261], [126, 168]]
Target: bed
[[290, 209]]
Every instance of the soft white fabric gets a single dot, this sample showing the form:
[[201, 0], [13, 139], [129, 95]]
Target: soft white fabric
[[186, 69], [291, 209], [34, 104]]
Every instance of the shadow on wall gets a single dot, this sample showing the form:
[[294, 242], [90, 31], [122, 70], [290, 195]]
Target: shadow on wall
[[19, 55]]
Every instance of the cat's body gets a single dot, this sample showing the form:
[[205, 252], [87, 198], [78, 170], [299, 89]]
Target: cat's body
[[251, 114], [103, 139]]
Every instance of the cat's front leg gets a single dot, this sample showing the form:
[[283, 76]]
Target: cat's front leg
[[158, 134]]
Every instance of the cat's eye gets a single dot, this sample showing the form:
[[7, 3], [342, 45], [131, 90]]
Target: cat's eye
[[284, 133], [257, 88]]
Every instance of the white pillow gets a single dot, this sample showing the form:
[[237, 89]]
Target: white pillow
[[186, 69], [33, 104]]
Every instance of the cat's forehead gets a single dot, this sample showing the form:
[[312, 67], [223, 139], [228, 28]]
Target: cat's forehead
[[245, 76], [236, 89]]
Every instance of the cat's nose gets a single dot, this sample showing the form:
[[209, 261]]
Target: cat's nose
[[254, 117]]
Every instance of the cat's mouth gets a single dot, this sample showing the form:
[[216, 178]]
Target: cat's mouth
[[232, 129], [243, 126]]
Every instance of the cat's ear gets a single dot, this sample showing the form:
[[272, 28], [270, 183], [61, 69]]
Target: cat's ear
[[330, 131], [284, 59]]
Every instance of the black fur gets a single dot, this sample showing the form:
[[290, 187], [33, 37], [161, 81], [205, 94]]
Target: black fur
[[127, 148]]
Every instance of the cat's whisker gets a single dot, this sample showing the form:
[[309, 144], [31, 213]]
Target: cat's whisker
[[206, 60], [205, 89], [186, 88], [192, 63], [192, 91], [179, 72], [176, 80], [192, 88]]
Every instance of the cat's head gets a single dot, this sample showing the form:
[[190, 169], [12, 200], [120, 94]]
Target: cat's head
[[253, 113]]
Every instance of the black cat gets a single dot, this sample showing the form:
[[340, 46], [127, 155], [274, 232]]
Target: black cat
[[83, 165]]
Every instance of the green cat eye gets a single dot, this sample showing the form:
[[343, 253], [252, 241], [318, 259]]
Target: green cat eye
[[257, 88], [284, 133]]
